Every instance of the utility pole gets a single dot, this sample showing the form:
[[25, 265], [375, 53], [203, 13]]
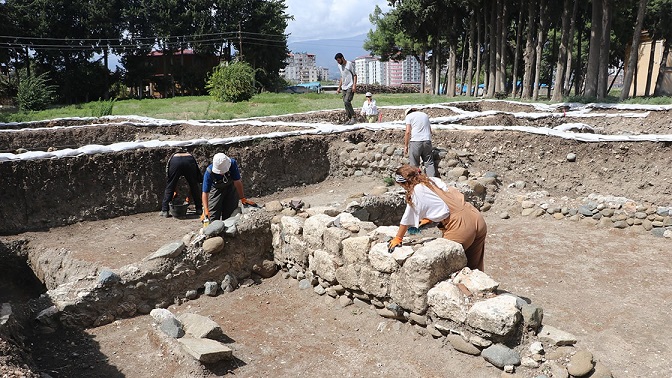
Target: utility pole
[[240, 39]]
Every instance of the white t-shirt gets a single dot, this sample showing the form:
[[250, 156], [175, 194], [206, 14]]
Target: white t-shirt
[[347, 72], [369, 108], [426, 204], [420, 126]]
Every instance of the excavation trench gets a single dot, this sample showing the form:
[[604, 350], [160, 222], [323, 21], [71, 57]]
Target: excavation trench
[[84, 283]]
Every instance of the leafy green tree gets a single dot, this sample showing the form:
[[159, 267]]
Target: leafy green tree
[[232, 83]]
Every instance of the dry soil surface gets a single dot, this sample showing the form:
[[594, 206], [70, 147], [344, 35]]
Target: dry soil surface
[[611, 288]]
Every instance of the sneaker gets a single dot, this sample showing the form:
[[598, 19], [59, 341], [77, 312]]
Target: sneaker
[[164, 214]]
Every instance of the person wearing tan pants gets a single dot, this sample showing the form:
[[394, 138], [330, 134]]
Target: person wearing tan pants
[[431, 200]]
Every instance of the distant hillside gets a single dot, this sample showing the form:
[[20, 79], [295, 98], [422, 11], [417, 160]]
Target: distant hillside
[[325, 49]]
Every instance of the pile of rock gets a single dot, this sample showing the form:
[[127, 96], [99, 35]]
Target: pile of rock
[[197, 335], [600, 210], [425, 283]]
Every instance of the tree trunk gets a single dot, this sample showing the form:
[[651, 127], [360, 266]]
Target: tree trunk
[[492, 52], [562, 54], [452, 71], [516, 55], [634, 50], [504, 36], [605, 43], [528, 55], [462, 69], [541, 39], [479, 43], [594, 50], [662, 71], [570, 46], [652, 56], [470, 59], [422, 72], [579, 77]]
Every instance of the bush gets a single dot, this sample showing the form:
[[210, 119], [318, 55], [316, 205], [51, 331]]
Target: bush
[[232, 83], [103, 108], [34, 92]]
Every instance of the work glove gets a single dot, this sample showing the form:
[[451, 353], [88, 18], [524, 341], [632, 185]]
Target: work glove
[[205, 214], [247, 202], [394, 243], [424, 222]]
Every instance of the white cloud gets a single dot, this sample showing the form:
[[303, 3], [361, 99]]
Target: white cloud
[[330, 19]]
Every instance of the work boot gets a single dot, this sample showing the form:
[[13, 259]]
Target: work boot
[[351, 121]]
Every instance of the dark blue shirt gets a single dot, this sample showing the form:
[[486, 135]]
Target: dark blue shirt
[[209, 175]]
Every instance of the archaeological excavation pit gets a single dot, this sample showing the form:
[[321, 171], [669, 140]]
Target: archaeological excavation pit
[[82, 199]]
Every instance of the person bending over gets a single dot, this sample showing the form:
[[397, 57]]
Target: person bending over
[[222, 188], [430, 198]]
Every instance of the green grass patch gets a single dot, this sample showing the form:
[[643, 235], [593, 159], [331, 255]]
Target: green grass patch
[[264, 104]]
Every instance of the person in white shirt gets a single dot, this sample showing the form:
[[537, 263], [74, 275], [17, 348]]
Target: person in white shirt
[[369, 109], [348, 85], [418, 140], [428, 199]]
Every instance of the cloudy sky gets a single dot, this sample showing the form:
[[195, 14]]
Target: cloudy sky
[[330, 19]]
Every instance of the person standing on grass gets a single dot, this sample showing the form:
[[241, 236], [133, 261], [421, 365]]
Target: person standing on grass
[[418, 140], [369, 109], [430, 198], [348, 85], [181, 164]]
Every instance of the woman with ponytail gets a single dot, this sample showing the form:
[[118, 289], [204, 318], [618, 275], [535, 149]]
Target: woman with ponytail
[[430, 199]]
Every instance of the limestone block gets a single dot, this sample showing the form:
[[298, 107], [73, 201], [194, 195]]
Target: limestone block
[[498, 316], [206, 350], [476, 281], [384, 232], [448, 302], [277, 239], [374, 282], [401, 254], [381, 260], [200, 326], [348, 276], [314, 227], [291, 225], [556, 337], [333, 238], [431, 263], [323, 264], [296, 250], [356, 249], [274, 206]]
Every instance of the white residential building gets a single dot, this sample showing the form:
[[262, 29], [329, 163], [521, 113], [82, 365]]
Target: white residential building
[[370, 70], [301, 68]]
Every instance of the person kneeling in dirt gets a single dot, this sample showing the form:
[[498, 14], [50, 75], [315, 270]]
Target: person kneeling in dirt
[[182, 163], [222, 188], [428, 199]]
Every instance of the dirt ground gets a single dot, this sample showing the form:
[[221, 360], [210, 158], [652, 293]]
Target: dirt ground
[[611, 288]]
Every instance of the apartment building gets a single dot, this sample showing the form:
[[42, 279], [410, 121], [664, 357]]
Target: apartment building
[[301, 68], [370, 70]]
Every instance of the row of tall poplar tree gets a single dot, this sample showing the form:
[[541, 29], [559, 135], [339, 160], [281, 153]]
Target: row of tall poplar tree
[[72, 40], [570, 45]]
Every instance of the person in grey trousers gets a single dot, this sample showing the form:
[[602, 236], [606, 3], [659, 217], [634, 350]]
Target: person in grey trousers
[[418, 140], [348, 85]]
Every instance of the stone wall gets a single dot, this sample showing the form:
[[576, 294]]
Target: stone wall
[[424, 282], [204, 262]]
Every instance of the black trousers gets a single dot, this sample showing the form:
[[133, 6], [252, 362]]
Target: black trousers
[[187, 167]]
